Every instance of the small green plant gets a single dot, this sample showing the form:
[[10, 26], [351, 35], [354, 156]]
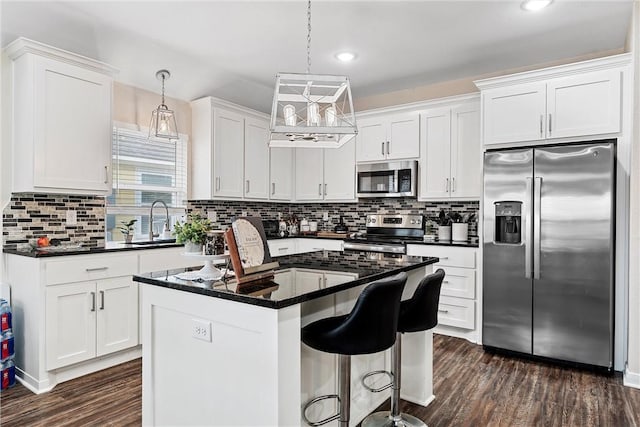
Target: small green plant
[[127, 227], [194, 230]]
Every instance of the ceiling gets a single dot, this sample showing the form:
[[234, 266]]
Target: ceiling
[[233, 49]]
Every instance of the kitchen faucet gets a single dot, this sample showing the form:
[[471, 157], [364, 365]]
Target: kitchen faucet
[[166, 224]]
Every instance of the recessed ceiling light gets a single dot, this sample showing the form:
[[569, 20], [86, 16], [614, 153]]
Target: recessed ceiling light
[[535, 5], [346, 56]]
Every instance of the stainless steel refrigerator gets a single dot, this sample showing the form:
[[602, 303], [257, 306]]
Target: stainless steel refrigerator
[[548, 258]]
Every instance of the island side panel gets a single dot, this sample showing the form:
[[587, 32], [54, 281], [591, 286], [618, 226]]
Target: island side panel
[[236, 378]]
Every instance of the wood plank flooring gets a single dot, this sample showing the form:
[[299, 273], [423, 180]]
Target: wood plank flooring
[[472, 388]]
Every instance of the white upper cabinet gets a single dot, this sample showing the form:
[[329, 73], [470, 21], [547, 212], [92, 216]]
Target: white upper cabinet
[[281, 174], [451, 163], [571, 101], [514, 114], [325, 174], [587, 104], [256, 159], [388, 137], [61, 124], [229, 152]]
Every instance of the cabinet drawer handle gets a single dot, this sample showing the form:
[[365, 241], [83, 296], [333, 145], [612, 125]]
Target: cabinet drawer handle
[[101, 300], [93, 301], [106, 174], [89, 270], [273, 188], [382, 151], [443, 257], [445, 281], [442, 311], [283, 249]]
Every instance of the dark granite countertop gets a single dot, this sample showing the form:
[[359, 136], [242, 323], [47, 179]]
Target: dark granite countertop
[[357, 267], [54, 251]]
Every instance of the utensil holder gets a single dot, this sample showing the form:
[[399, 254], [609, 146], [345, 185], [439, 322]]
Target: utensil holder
[[460, 232], [444, 233]]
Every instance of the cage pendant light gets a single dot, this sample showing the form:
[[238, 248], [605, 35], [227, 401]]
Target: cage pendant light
[[163, 120], [312, 110]]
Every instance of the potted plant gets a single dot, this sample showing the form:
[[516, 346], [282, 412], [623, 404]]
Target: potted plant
[[127, 230], [192, 233], [444, 227]]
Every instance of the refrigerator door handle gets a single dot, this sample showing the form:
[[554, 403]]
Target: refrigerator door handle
[[527, 228], [537, 191]]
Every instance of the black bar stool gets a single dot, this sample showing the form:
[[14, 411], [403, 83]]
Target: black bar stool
[[420, 313], [369, 328]]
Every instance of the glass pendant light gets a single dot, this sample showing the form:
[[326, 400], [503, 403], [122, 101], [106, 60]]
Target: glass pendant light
[[163, 120], [302, 100]]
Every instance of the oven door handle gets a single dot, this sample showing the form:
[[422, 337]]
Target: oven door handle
[[372, 247]]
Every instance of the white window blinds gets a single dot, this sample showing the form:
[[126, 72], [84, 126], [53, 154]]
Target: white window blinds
[[144, 170]]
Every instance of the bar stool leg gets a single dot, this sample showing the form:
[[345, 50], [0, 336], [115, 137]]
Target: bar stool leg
[[394, 418], [344, 388]]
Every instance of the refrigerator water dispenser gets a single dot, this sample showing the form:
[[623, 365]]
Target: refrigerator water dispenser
[[508, 222]]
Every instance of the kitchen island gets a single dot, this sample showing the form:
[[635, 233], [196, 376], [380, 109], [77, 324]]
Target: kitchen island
[[217, 353]]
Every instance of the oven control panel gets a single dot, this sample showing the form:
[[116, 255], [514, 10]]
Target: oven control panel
[[394, 221]]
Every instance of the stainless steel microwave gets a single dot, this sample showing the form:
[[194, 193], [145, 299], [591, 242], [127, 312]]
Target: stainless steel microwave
[[388, 179]]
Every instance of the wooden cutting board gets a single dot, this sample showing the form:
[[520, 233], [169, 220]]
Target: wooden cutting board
[[332, 234]]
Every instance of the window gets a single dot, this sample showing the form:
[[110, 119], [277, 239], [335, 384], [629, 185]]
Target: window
[[144, 170]]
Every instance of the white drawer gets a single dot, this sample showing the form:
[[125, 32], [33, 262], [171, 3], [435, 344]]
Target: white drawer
[[161, 259], [312, 245], [456, 312], [449, 256], [80, 268], [459, 282], [282, 247]]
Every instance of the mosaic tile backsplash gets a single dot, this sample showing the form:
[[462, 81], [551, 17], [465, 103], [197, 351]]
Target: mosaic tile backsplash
[[29, 216], [353, 213]]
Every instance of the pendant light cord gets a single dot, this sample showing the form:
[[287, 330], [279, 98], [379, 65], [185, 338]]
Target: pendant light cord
[[309, 37], [162, 89]]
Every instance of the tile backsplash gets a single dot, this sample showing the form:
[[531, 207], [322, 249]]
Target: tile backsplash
[[32, 215], [353, 213]]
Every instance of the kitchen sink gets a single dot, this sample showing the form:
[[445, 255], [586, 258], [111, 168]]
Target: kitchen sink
[[153, 242]]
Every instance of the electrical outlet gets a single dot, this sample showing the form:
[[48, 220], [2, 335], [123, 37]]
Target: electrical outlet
[[201, 330], [325, 216], [212, 215], [72, 218], [244, 213]]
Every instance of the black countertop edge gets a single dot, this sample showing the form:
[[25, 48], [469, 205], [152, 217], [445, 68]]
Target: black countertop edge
[[456, 244], [246, 299], [114, 247]]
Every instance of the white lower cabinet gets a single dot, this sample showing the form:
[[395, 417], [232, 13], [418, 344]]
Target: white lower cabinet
[[457, 314], [89, 319], [281, 247]]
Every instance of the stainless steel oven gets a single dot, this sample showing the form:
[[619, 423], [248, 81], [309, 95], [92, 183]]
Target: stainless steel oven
[[388, 179]]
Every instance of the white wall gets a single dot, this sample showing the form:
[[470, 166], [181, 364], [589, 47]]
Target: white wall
[[632, 371]]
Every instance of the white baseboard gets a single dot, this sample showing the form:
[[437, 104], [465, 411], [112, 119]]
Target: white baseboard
[[57, 376], [631, 379]]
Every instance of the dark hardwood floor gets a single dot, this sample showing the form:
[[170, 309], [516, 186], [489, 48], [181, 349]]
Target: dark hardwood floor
[[472, 388]]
